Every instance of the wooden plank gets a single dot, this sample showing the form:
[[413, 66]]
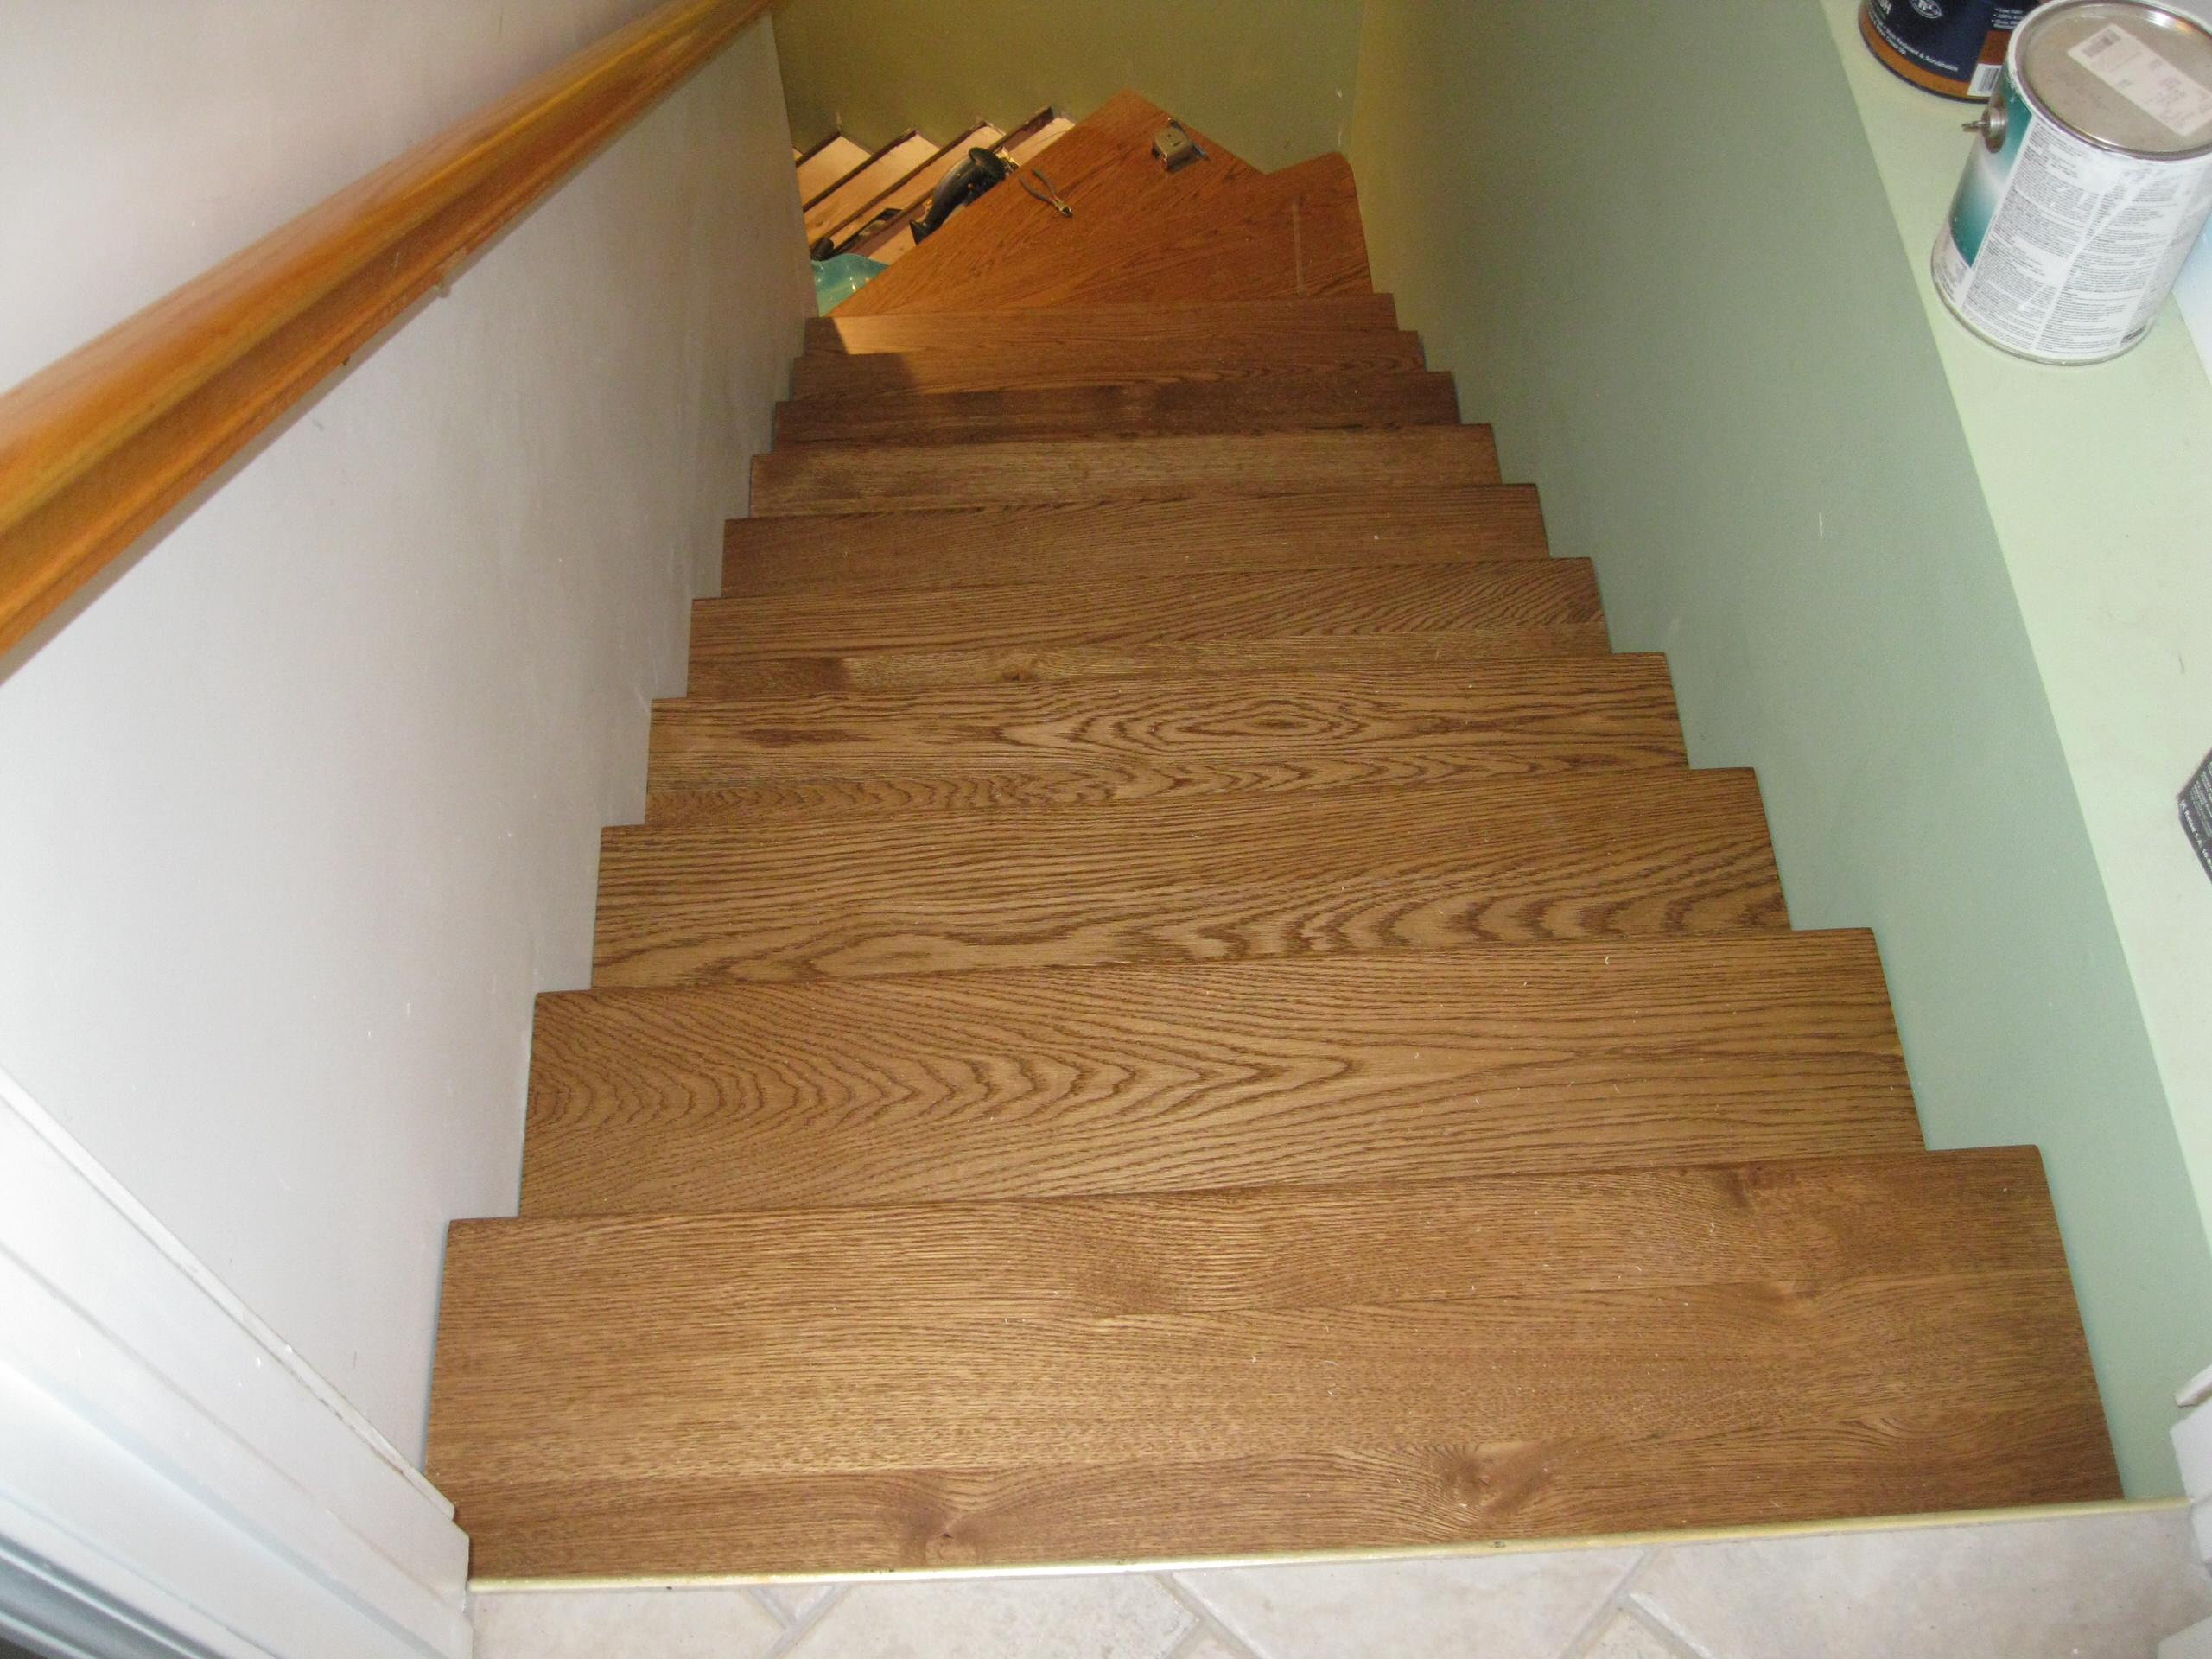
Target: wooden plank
[[1138, 233], [1625, 855], [1315, 402], [1028, 146], [1113, 542], [991, 367], [1394, 600], [1235, 1374], [1504, 719], [909, 200], [1314, 1070], [740, 676], [853, 198], [1193, 326], [869, 477], [828, 165]]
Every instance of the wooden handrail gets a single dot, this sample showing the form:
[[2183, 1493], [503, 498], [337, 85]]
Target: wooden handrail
[[95, 448]]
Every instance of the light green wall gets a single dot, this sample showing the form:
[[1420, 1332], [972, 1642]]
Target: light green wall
[[1273, 82], [1660, 260]]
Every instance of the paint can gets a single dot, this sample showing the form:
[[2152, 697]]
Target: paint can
[[1953, 47], [2090, 185]]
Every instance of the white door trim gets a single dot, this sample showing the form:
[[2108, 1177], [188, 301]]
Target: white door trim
[[163, 1453]]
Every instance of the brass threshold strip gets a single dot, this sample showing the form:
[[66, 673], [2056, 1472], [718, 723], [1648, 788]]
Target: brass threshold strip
[[1949, 1518]]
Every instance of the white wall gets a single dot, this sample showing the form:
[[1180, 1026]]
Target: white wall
[[298, 812]]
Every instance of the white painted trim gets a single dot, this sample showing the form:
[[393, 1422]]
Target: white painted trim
[[164, 1451]]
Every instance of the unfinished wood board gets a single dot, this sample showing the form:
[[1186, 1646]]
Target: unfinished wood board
[[1518, 718], [1315, 1071], [1315, 402], [827, 165], [1013, 368], [1028, 146], [1115, 541], [854, 198], [1195, 327], [868, 478], [1215, 605], [981, 1385], [1435, 867], [740, 676]]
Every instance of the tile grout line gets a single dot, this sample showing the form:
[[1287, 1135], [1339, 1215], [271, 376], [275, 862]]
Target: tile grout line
[[805, 1625], [1586, 1636], [776, 1609], [1651, 1613], [1208, 1622]]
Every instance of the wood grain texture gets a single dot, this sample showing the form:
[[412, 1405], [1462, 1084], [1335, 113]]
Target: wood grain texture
[[1195, 327], [877, 477], [97, 447], [1410, 599], [1118, 541], [1500, 719], [740, 675], [994, 1384], [854, 197], [995, 367], [1624, 855], [1313, 1071], [1317, 402]]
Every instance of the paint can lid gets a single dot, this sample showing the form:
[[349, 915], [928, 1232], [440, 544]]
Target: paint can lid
[[2124, 75]]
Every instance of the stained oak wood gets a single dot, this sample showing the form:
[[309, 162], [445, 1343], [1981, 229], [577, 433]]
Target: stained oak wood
[[876, 478], [1500, 719], [1437, 866], [984, 1384], [1313, 1071], [1191, 327], [852, 199], [1316, 402], [827, 163], [95, 448], [1113, 542], [1396, 600], [742, 675], [995, 367]]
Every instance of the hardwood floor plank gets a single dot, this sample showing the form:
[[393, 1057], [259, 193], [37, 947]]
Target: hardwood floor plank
[[1190, 325], [1258, 355], [865, 478], [1311, 1071], [739, 675], [1317, 402], [1500, 719], [1396, 601], [1022, 1373], [1121, 541], [1624, 855]]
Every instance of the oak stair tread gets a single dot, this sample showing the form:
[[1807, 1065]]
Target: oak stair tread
[[997, 367], [1293, 1071], [1433, 867], [1512, 718], [851, 477], [1116, 541], [1315, 402], [1399, 600], [1197, 328], [1146, 1380]]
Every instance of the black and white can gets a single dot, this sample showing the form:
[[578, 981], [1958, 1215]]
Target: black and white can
[[2091, 185]]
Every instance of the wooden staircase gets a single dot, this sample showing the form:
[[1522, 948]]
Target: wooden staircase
[[1174, 1000], [867, 202]]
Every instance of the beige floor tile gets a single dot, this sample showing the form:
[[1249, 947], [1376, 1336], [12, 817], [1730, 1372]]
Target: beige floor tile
[[1491, 1607], [1123, 1616], [1210, 1646], [622, 1625], [2103, 1585], [1624, 1638], [797, 1600]]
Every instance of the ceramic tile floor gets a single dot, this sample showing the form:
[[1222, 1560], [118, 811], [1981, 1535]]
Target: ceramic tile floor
[[2103, 1586]]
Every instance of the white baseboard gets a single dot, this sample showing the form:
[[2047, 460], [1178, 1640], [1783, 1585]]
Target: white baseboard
[[164, 1455]]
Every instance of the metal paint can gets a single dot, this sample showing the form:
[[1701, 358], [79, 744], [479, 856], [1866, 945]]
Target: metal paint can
[[2091, 184], [1953, 47]]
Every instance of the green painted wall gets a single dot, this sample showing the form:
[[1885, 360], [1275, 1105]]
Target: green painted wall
[[1272, 82], [1660, 260]]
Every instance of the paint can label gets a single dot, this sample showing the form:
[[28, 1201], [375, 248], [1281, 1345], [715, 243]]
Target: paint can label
[[1960, 43], [2061, 250]]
